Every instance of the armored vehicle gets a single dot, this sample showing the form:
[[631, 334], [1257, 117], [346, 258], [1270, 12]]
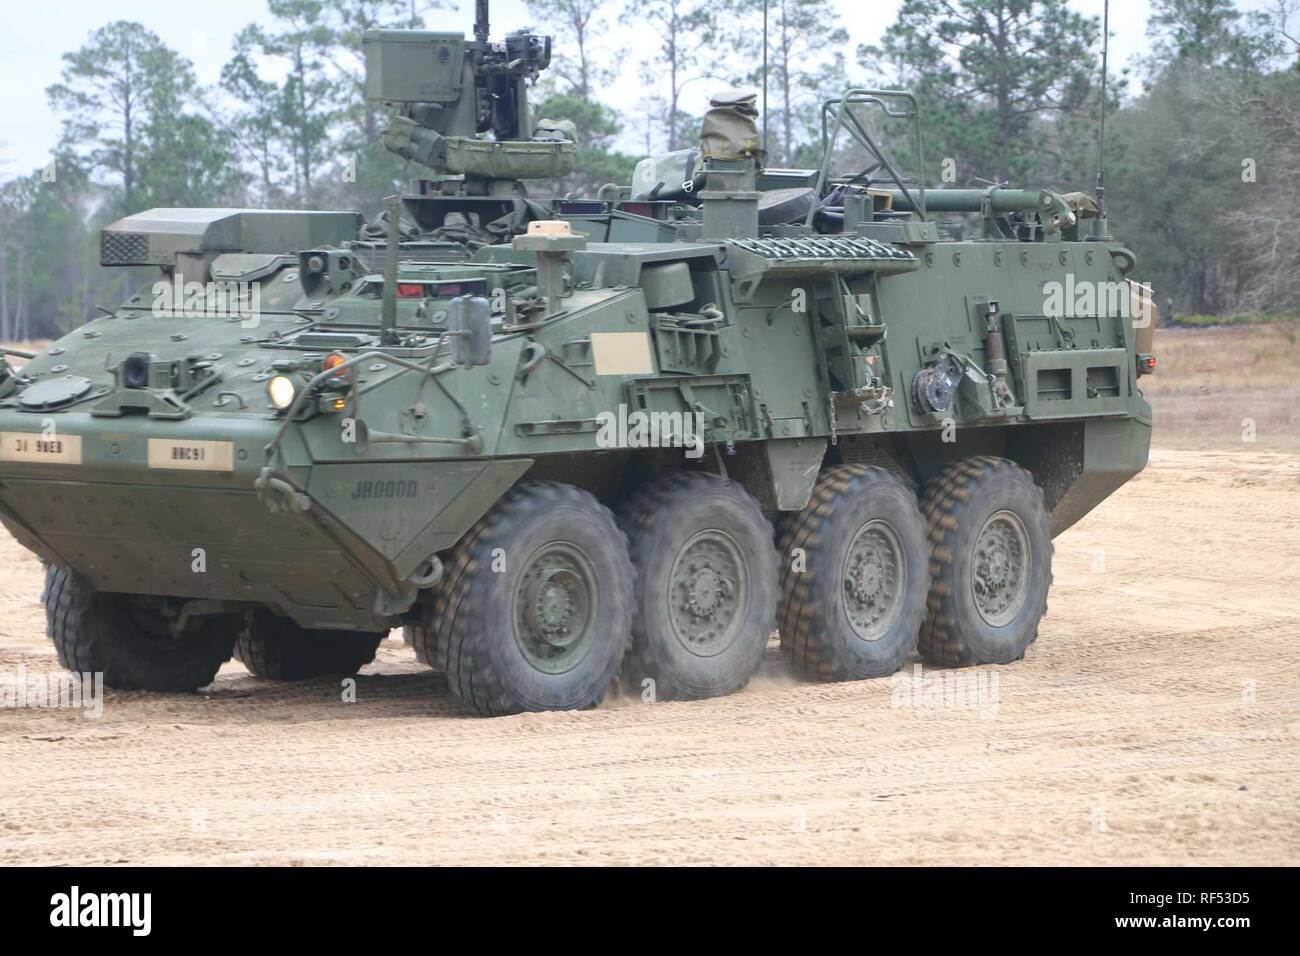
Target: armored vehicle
[[568, 441]]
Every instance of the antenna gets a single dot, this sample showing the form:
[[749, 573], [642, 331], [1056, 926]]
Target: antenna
[[1101, 139], [481, 28], [764, 82]]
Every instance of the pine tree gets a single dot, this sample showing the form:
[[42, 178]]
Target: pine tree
[[129, 113], [996, 79], [805, 65]]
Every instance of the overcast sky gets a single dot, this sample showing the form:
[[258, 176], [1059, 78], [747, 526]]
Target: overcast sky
[[30, 50]]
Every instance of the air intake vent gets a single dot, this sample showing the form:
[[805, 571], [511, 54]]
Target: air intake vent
[[123, 248]]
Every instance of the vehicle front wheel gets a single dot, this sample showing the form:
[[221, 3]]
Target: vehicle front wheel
[[122, 637]]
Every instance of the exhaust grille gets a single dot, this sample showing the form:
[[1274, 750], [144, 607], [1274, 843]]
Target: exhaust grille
[[123, 248]]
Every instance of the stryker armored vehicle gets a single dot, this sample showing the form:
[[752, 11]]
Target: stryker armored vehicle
[[568, 441]]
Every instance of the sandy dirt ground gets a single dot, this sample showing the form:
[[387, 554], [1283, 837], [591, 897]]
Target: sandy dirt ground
[[1157, 720]]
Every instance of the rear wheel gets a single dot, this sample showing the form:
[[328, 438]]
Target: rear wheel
[[990, 561], [536, 610], [128, 641], [706, 586], [275, 648], [854, 576]]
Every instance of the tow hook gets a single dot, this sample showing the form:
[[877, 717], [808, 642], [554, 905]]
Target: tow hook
[[279, 495]]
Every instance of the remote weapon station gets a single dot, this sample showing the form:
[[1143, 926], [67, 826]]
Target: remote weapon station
[[567, 441]]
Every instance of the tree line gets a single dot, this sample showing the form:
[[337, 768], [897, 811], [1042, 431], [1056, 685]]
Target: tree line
[[1202, 136]]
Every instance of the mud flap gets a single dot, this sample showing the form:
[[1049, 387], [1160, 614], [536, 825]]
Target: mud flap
[[780, 472]]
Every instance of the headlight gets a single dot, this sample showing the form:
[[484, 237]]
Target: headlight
[[281, 391], [135, 371]]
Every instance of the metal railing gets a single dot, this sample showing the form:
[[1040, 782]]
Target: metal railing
[[841, 109]]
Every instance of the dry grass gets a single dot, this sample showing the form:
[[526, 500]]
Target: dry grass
[[1221, 387], [1250, 358]]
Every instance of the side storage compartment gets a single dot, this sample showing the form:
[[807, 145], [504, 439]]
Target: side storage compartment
[[1067, 384]]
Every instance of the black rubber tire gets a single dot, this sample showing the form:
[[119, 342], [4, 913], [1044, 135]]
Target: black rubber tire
[[659, 520], [95, 632], [477, 644], [423, 639], [275, 648], [814, 623], [956, 504]]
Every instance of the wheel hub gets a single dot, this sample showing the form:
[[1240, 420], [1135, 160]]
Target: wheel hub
[[555, 607], [707, 592], [1000, 568], [553, 599], [875, 570]]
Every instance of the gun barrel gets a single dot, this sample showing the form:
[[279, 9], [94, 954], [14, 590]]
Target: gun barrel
[[972, 200], [481, 27]]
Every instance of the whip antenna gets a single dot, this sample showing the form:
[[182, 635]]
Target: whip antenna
[[765, 82], [1101, 139]]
